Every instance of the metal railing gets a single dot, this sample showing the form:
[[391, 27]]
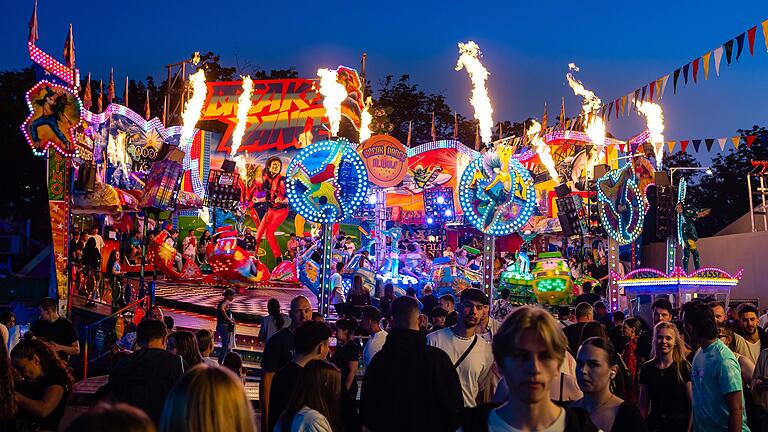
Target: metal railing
[[95, 286]]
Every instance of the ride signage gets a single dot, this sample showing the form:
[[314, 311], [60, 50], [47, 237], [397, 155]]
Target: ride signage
[[386, 160]]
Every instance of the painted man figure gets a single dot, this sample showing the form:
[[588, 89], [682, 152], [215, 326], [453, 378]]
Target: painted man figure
[[689, 215], [53, 105], [273, 186]]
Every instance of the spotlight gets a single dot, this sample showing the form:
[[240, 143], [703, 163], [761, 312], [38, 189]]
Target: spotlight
[[430, 220], [372, 199], [440, 200], [709, 171], [448, 213]]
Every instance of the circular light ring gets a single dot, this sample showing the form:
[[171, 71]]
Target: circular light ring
[[503, 218], [627, 228], [331, 199]]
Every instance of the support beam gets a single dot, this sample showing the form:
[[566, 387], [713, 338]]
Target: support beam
[[489, 252], [325, 268]]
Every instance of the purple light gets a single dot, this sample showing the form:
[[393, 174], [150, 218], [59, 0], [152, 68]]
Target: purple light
[[448, 213], [440, 200], [430, 220]]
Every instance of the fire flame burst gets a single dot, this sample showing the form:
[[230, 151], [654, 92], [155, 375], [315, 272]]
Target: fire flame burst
[[334, 94], [469, 59], [116, 154], [595, 129], [365, 121], [542, 149], [243, 106], [192, 109], [654, 117]]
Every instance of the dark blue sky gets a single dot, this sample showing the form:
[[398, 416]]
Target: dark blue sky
[[619, 46]]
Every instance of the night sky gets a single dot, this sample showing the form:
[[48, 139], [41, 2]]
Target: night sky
[[619, 46]]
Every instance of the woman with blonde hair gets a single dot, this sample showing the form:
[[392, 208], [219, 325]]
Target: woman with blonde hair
[[207, 398], [314, 405], [665, 382]]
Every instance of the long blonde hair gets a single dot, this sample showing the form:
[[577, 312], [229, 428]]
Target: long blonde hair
[[207, 398], [678, 355]]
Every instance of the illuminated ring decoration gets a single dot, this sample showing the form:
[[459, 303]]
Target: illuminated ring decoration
[[326, 181], [486, 202], [682, 190], [620, 204]]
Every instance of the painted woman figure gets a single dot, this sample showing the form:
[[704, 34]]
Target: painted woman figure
[[273, 186]]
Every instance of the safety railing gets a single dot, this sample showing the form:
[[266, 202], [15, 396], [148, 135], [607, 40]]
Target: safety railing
[[96, 287]]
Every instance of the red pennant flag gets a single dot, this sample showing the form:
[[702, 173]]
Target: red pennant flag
[[695, 69], [33, 34], [751, 38], [616, 102], [69, 49], [652, 87], [146, 106], [750, 139], [683, 145]]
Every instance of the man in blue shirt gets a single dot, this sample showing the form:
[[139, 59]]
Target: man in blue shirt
[[718, 400]]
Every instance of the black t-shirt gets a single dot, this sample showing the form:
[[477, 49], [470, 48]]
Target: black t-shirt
[[590, 298], [341, 358], [644, 343], [628, 419], [278, 351], [666, 393], [282, 388], [61, 332], [35, 390]]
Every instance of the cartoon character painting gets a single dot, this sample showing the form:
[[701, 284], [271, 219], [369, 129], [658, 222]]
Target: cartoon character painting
[[272, 191], [55, 113]]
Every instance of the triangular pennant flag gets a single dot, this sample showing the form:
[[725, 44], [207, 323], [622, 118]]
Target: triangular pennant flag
[[659, 82], [695, 69], [685, 73], [751, 38], [664, 85], [705, 64], [683, 145], [610, 109], [750, 139], [765, 33], [671, 146], [616, 102], [676, 74], [728, 50], [652, 88], [718, 55], [637, 95], [735, 140], [708, 142], [623, 104], [721, 142], [696, 144], [739, 45], [645, 89]]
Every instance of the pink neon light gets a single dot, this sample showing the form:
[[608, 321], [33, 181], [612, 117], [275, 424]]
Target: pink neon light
[[642, 270], [641, 137], [678, 272], [113, 108], [51, 65], [561, 135]]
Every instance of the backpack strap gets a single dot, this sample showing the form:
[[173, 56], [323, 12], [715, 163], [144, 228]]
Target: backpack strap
[[466, 353]]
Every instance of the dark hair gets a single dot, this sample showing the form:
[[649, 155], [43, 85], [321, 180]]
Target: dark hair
[[228, 292], [28, 348], [372, 313], [475, 295], [449, 298], [186, 347], [599, 305], [701, 319], [169, 322], [727, 330], [149, 330], [233, 362], [620, 383], [748, 307], [634, 324], [437, 311], [583, 309], [7, 397], [586, 287], [316, 314], [618, 315], [204, 339], [403, 308], [505, 293], [410, 292], [663, 304], [319, 388], [308, 335], [111, 261], [347, 324], [119, 417], [48, 303], [273, 309], [6, 316], [339, 266]]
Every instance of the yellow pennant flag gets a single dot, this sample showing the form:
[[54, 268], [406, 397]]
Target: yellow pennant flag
[[659, 83], [765, 33], [705, 63], [671, 146], [623, 102], [735, 141]]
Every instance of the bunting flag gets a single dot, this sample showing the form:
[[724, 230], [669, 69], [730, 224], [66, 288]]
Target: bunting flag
[[728, 50], [708, 142], [87, 101], [99, 99], [739, 45], [652, 87], [477, 138], [721, 142], [146, 106], [664, 84], [125, 92], [33, 35], [695, 70], [718, 56], [543, 118], [685, 73], [671, 146], [637, 96], [69, 50], [764, 24], [696, 144], [750, 139], [408, 139], [562, 111], [659, 82], [111, 87], [610, 109], [751, 38], [705, 64], [674, 80], [433, 131], [642, 97], [455, 126], [616, 102], [735, 140], [683, 145], [623, 104]]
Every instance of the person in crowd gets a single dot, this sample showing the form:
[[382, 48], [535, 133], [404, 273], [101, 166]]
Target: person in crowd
[[371, 324], [155, 313], [421, 377], [601, 274], [234, 363], [273, 322], [760, 387], [439, 316], [346, 355], [631, 329], [586, 296], [55, 329], [8, 407], [726, 334], [204, 340], [311, 343], [602, 316], [410, 292], [314, 406], [144, 378], [662, 311], [225, 323], [385, 302], [501, 306], [529, 348], [359, 296], [616, 332], [113, 264], [98, 240], [665, 383], [169, 322], [184, 344], [9, 334], [189, 246], [317, 316], [470, 354], [337, 287], [119, 417], [597, 365], [42, 396], [574, 332], [565, 314], [131, 248], [202, 246], [447, 302], [487, 326], [718, 309], [207, 399], [718, 401], [91, 255], [755, 337], [278, 352], [428, 300]]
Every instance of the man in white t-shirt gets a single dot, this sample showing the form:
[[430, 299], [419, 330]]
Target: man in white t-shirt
[[754, 336], [470, 354], [337, 290], [370, 322], [97, 237]]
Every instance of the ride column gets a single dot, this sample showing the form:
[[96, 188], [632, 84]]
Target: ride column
[[325, 268], [613, 293], [489, 253]]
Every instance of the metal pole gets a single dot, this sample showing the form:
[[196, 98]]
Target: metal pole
[[143, 250], [762, 195], [489, 252], [751, 206]]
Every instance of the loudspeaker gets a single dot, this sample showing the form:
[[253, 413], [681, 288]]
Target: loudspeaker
[[665, 211], [572, 215], [562, 190], [228, 166], [601, 170], [661, 178], [86, 179]]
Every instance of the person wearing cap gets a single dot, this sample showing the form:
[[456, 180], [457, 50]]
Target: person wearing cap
[[471, 355]]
